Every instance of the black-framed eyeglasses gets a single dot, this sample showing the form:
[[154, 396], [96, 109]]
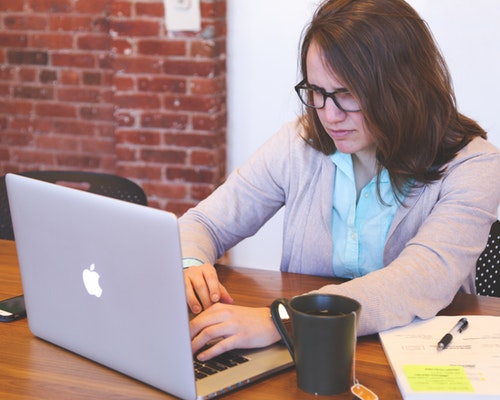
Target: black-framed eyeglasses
[[315, 97]]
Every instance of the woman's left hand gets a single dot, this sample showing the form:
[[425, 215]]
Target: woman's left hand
[[233, 327]]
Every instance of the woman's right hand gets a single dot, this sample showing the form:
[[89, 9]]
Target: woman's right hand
[[203, 288]]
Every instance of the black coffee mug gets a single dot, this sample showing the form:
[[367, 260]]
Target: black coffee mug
[[324, 329]]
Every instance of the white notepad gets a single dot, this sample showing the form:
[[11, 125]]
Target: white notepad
[[469, 368]]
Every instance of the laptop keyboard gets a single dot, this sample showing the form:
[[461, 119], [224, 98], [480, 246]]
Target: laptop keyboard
[[217, 364]]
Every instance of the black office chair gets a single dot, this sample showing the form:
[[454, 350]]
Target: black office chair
[[104, 184], [488, 265]]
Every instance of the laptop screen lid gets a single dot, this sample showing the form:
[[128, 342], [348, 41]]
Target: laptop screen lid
[[134, 317], [104, 279]]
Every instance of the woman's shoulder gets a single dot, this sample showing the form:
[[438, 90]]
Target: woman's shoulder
[[479, 144], [479, 158], [478, 148]]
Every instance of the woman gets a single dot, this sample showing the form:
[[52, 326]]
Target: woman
[[383, 181]]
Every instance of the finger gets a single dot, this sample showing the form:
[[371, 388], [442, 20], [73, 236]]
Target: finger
[[225, 297], [201, 289], [201, 324], [196, 288], [214, 340], [192, 300], [204, 337], [209, 325], [218, 348], [213, 284]]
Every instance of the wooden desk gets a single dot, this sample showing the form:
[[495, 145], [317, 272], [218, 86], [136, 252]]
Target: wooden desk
[[31, 368]]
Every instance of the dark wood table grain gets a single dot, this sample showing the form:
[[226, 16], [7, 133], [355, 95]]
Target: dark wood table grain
[[31, 368]]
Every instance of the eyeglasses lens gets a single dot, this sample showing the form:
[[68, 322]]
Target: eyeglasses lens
[[316, 99]]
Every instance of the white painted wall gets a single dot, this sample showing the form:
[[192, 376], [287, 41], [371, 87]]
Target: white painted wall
[[263, 41]]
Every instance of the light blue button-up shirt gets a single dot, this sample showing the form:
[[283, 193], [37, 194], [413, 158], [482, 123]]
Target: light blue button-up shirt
[[359, 230]]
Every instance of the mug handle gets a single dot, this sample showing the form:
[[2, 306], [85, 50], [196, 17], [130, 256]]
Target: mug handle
[[280, 326]]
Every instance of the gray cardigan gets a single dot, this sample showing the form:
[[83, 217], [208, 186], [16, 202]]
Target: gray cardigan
[[433, 243]]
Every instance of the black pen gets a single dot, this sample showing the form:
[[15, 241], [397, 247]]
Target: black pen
[[461, 326]]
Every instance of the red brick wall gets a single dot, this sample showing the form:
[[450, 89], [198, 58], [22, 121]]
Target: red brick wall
[[102, 85]]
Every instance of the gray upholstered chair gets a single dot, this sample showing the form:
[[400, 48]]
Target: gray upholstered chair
[[104, 184]]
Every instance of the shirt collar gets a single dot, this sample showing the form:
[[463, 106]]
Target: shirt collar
[[343, 162]]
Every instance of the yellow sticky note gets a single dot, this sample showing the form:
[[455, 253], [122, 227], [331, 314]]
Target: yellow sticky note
[[437, 378]]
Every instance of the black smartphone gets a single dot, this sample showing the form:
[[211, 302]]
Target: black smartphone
[[12, 309]]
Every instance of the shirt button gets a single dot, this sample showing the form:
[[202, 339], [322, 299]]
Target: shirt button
[[353, 236], [367, 195]]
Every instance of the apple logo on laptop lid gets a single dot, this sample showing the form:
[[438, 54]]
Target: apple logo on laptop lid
[[91, 281]]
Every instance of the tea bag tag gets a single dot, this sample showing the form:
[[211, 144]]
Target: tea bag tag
[[362, 392]]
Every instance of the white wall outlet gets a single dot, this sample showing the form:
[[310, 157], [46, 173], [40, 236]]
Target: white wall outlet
[[183, 4], [182, 15]]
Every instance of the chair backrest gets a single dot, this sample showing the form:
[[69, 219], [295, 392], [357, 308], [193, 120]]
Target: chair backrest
[[104, 184], [488, 265]]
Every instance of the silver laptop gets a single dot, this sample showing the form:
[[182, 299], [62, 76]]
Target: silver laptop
[[103, 278]]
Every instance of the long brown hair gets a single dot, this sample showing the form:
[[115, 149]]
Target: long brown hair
[[384, 53]]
